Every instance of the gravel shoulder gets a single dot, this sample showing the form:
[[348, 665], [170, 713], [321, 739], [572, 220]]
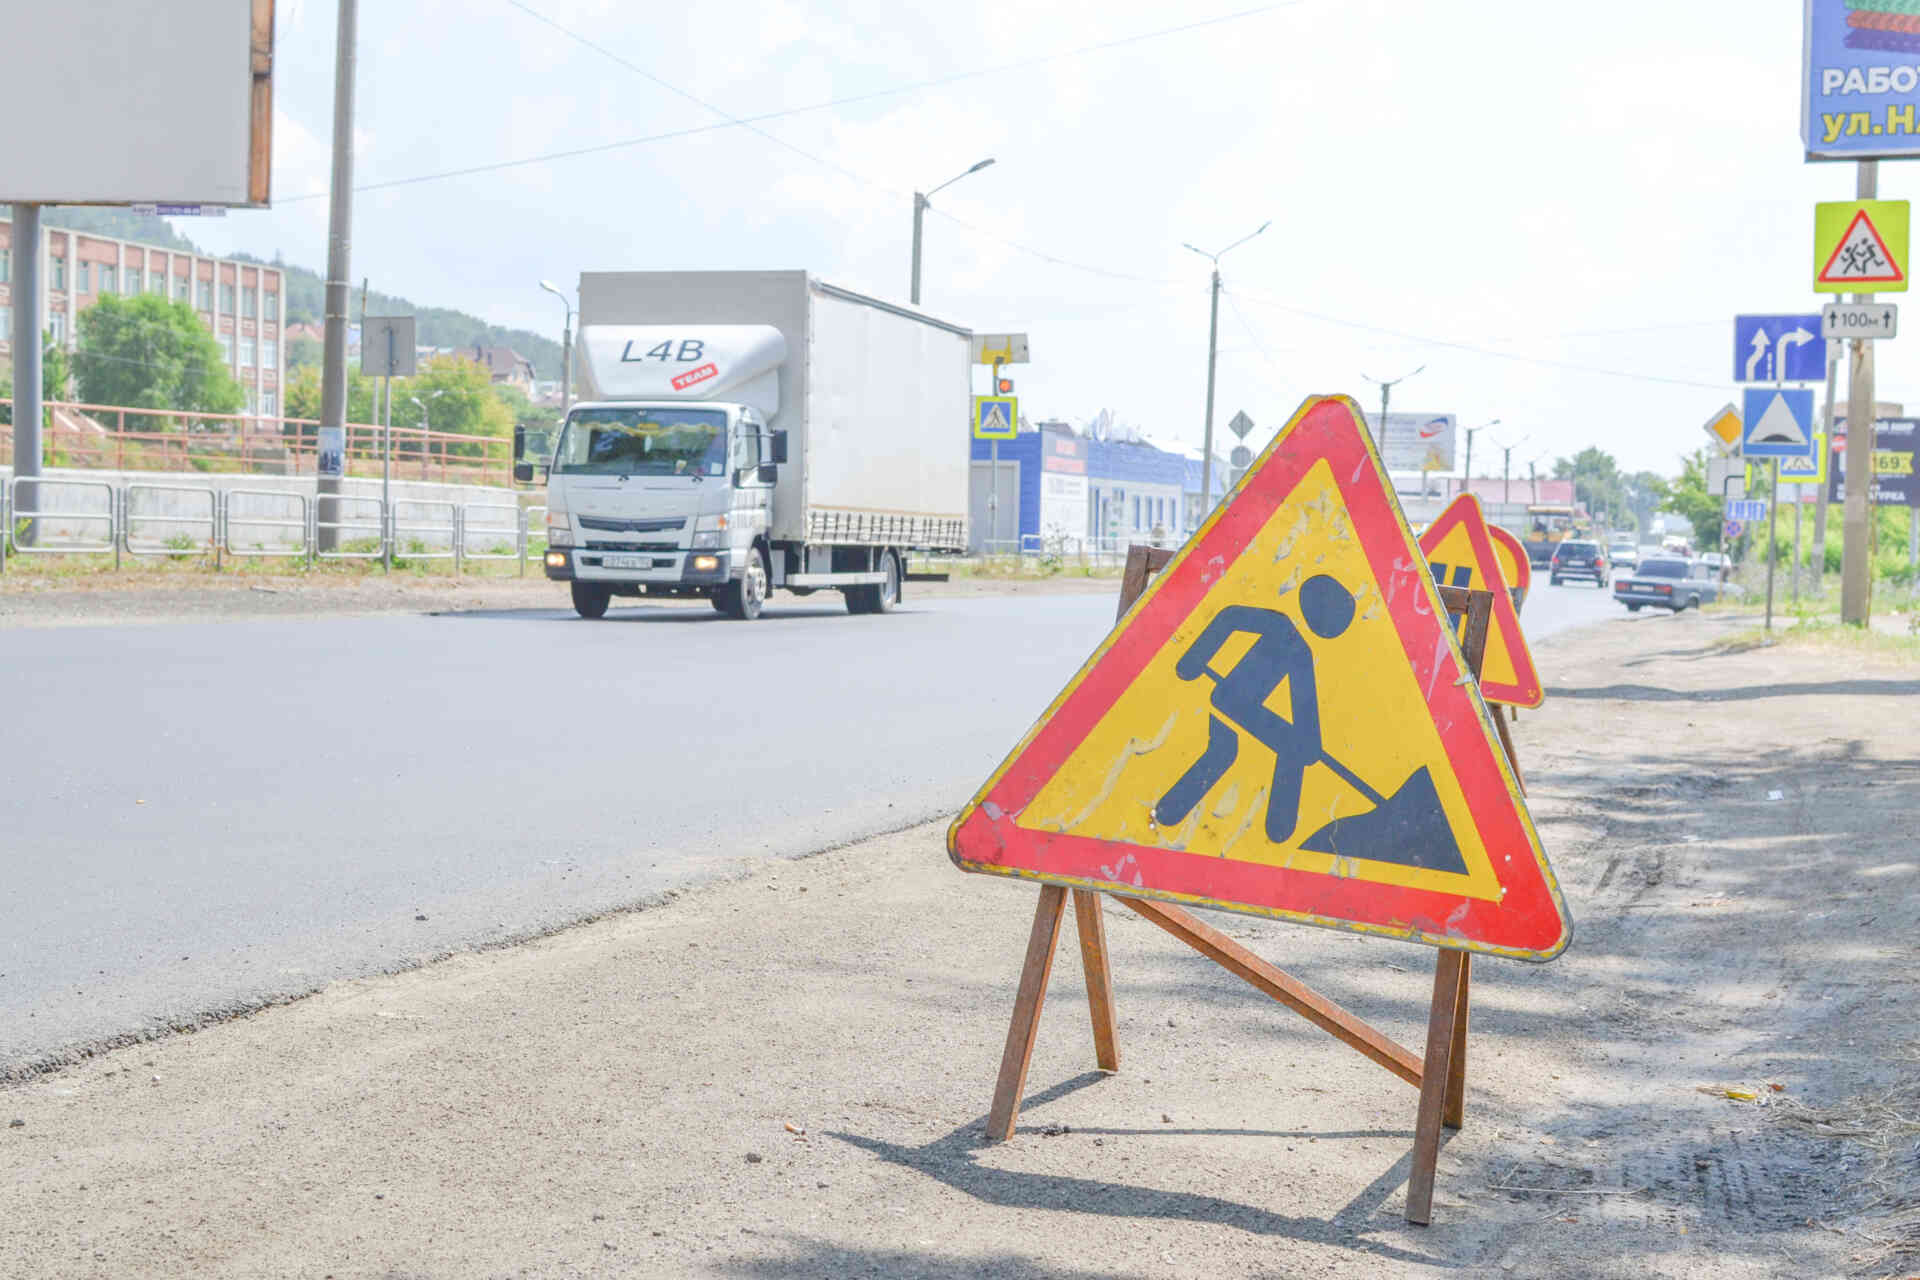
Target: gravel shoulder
[[786, 1075]]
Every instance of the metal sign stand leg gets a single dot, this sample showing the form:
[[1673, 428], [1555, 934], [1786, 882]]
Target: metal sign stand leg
[[1441, 1075]]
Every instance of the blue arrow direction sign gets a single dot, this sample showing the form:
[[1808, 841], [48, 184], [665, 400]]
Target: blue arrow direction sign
[[1778, 423], [1778, 349]]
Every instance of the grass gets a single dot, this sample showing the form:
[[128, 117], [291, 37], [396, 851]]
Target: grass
[[1829, 633], [180, 566], [1023, 568]]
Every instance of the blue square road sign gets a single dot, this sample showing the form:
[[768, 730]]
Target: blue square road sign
[[1778, 349], [1777, 423]]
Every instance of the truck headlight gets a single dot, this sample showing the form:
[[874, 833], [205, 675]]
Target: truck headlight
[[709, 533], [559, 529]]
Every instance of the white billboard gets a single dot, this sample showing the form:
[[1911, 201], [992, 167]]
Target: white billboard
[[1415, 441], [138, 102]]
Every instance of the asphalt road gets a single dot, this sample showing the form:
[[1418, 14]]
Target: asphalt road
[[201, 817]]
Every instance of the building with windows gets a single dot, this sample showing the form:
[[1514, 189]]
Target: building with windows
[[242, 303], [1060, 489]]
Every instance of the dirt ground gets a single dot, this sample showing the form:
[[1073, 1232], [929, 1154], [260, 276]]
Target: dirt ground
[[180, 594], [786, 1075]]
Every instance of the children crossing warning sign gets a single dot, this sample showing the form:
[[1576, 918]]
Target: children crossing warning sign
[[1461, 552], [1860, 246], [1283, 725]]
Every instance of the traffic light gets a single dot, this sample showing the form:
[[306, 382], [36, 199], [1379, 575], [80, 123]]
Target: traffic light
[[1004, 386]]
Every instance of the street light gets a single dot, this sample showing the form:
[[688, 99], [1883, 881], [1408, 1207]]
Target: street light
[[566, 349], [1467, 485], [1213, 354], [1385, 388], [919, 211], [426, 427], [1506, 469]]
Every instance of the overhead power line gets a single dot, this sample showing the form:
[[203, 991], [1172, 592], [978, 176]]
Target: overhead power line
[[748, 122]]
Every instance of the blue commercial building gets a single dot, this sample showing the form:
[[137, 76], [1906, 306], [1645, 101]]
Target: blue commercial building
[[1059, 489]]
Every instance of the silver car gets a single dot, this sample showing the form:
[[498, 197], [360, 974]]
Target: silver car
[[1667, 582]]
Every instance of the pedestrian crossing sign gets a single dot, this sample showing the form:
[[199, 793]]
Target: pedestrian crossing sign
[[996, 417], [1282, 725], [1460, 552], [1808, 470]]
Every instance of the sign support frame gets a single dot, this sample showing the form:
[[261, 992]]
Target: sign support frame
[[1856, 523], [1439, 1074]]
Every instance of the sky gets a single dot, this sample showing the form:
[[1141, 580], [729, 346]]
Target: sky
[[1556, 210]]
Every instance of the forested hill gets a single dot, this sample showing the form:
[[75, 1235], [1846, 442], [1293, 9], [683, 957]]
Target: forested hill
[[435, 326]]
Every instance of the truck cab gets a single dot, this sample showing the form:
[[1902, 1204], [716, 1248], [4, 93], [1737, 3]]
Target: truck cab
[[663, 498]]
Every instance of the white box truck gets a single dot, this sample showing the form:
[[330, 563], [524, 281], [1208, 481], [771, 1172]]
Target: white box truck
[[744, 431]]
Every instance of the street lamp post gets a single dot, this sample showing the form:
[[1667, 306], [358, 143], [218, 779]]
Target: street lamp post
[[1506, 470], [566, 348], [920, 202], [1467, 485], [1385, 388], [1213, 355], [426, 427]]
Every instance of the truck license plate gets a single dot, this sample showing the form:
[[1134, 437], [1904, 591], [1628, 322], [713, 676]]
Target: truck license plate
[[626, 562]]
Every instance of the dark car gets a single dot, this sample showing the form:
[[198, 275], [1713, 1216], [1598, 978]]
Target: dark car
[[1668, 583], [1579, 560]]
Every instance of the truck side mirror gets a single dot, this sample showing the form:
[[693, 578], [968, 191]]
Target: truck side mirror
[[523, 472], [780, 446], [769, 473], [519, 447]]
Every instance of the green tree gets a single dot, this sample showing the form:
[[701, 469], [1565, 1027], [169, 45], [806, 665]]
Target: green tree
[[458, 396], [1597, 482], [150, 352], [54, 378], [1689, 497], [304, 351]]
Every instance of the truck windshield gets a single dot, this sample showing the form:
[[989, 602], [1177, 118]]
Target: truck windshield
[[644, 442]]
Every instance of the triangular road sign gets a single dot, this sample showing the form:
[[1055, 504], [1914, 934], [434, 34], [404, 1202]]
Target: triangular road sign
[[1861, 258], [1514, 564], [1778, 425], [1459, 548], [1282, 725]]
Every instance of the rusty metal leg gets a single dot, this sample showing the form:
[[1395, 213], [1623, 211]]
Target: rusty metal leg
[[1099, 973], [1433, 1085], [1012, 1084], [1456, 1110]]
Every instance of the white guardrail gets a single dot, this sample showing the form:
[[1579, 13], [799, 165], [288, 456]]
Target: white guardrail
[[61, 515]]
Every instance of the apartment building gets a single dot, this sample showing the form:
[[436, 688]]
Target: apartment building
[[242, 303]]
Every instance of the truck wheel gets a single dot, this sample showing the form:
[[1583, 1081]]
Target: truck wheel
[[884, 596], [743, 598], [590, 599]]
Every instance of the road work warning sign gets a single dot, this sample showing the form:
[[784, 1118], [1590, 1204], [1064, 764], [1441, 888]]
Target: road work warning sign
[[1283, 725], [1461, 552]]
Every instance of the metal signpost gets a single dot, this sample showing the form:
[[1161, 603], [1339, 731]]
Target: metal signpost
[[1402, 808], [996, 417], [386, 351], [1779, 424]]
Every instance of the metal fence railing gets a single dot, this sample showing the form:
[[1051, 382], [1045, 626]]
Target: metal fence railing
[[343, 529], [425, 530], [169, 519], [45, 515], [491, 531], [42, 522], [271, 522]]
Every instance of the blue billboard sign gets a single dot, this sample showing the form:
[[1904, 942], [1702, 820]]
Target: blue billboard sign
[[1860, 80], [1778, 349]]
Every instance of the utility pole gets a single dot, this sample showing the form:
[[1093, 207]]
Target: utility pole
[[333, 364], [1824, 467], [1213, 356], [1856, 527], [1380, 437], [1467, 485], [29, 297]]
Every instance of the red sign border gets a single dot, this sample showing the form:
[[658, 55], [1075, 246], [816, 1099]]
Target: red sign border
[[1519, 549], [1860, 216], [1505, 618], [1530, 922]]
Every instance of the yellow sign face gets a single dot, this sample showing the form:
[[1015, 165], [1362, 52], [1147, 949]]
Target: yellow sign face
[[1462, 552], [1725, 427], [1807, 470], [1355, 687], [1860, 246]]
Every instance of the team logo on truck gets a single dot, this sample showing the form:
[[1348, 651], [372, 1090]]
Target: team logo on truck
[[693, 377]]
